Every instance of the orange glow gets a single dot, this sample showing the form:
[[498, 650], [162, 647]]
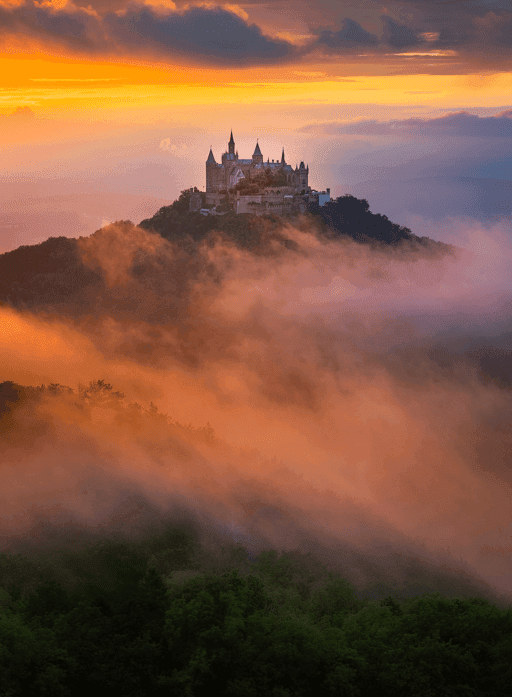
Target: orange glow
[[56, 83], [288, 360]]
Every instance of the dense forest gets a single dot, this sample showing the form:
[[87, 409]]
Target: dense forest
[[157, 612], [161, 615]]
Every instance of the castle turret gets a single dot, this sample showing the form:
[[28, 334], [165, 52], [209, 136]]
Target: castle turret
[[231, 145], [211, 159], [257, 157], [303, 176], [282, 158], [212, 173]]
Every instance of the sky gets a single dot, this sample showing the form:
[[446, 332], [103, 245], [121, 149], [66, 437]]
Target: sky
[[387, 101]]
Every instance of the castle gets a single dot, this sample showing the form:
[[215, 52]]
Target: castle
[[226, 175], [254, 186]]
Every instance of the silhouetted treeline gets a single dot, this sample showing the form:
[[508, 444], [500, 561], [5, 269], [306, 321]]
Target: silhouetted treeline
[[50, 273], [164, 616], [352, 217], [19, 414], [345, 216]]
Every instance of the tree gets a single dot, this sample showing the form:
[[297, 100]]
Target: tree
[[348, 215], [31, 662]]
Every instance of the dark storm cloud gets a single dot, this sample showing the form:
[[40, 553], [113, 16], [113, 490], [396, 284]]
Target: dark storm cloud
[[460, 123], [73, 29], [398, 35], [478, 23], [213, 35], [479, 31], [351, 35]]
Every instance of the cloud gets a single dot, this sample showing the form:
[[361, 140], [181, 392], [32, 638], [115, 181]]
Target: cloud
[[473, 25], [168, 146], [69, 27], [350, 36], [224, 36], [478, 32], [211, 35], [398, 35], [457, 124], [328, 374], [21, 113]]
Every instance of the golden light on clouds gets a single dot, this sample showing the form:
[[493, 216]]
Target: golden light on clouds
[[53, 84]]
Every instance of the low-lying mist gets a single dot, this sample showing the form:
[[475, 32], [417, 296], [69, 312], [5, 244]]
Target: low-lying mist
[[346, 399]]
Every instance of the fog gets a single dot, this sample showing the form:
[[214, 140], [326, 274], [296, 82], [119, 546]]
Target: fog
[[353, 404]]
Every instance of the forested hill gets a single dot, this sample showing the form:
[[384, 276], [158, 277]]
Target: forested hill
[[343, 217], [52, 273]]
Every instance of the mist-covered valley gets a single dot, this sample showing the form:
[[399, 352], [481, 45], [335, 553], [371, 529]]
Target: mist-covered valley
[[269, 385]]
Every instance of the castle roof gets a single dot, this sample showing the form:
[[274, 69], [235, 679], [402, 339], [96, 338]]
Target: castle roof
[[231, 140], [211, 158], [257, 150]]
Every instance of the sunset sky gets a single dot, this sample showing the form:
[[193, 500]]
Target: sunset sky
[[125, 99]]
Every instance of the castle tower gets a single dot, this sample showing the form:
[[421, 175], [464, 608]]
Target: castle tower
[[257, 157], [303, 176], [211, 158], [282, 158], [231, 145], [211, 170]]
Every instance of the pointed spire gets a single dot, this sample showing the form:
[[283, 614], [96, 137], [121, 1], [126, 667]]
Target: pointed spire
[[231, 144], [211, 158], [282, 157], [257, 151]]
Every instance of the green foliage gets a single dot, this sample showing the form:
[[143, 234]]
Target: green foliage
[[31, 660], [133, 623], [183, 202], [351, 216], [429, 646], [261, 181], [225, 637], [188, 230], [334, 602]]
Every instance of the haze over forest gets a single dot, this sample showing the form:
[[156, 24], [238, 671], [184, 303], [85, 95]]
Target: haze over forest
[[279, 385], [302, 390]]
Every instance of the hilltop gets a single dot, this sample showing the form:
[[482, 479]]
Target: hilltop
[[53, 272], [346, 216]]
